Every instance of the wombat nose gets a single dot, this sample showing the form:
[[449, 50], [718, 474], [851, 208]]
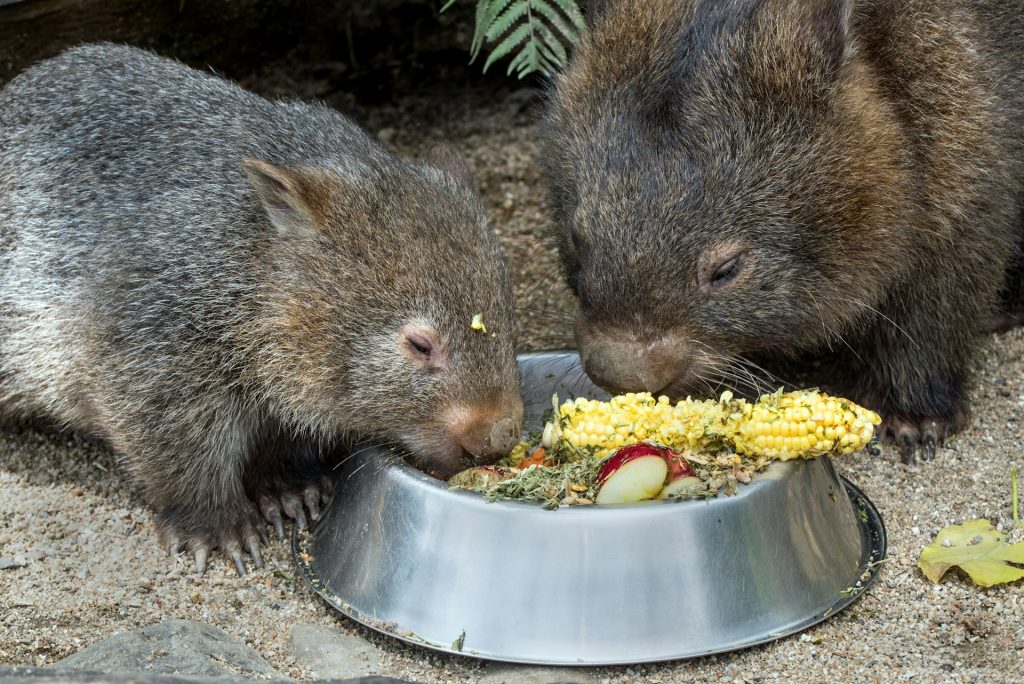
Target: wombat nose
[[489, 435], [624, 365]]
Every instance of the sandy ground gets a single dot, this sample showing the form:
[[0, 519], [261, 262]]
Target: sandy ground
[[93, 565]]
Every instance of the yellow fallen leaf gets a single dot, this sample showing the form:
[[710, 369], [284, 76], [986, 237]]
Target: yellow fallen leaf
[[978, 549]]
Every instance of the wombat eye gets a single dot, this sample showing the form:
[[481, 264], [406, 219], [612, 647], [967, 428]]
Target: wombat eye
[[726, 272], [419, 345]]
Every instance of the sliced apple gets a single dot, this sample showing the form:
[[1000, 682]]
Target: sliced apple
[[686, 487], [677, 465], [632, 473], [480, 477]]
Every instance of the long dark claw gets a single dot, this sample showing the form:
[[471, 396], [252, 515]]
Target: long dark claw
[[326, 489], [293, 508], [300, 518], [278, 522], [234, 552], [908, 448], [252, 545], [272, 513], [202, 553], [928, 444], [312, 498]]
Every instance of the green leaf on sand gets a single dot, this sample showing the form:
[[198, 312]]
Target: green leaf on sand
[[977, 548]]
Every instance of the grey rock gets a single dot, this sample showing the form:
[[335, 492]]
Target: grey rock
[[11, 563], [331, 653], [36, 675], [181, 647], [526, 674]]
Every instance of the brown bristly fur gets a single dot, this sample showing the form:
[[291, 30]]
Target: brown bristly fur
[[862, 160]]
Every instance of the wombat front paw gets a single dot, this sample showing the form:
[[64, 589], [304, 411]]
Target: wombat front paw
[[924, 433], [294, 503], [196, 531]]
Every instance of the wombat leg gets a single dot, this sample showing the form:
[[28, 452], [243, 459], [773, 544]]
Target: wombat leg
[[287, 476], [1011, 298], [909, 433], [295, 503], [198, 530]]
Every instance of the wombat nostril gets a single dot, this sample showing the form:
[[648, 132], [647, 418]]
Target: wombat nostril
[[485, 433], [633, 366], [504, 435]]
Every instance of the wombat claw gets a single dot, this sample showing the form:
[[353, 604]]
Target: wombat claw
[[909, 434], [200, 546], [295, 504]]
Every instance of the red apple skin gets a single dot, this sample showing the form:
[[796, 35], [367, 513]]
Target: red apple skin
[[677, 465], [624, 456]]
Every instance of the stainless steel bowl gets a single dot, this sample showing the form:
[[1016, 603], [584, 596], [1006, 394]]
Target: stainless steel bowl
[[399, 552]]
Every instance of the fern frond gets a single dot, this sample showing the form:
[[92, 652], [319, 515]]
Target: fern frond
[[537, 34], [552, 44], [510, 42], [556, 19], [486, 12], [572, 10], [514, 13]]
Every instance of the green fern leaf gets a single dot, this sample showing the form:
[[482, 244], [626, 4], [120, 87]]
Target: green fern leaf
[[510, 42], [556, 19], [515, 62], [572, 10], [555, 50], [535, 34], [514, 13], [486, 12]]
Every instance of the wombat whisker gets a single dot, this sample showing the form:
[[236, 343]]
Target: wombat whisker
[[829, 331], [825, 329], [770, 378], [883, 316]]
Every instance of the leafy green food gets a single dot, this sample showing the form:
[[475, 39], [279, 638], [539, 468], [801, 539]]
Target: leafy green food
[[977, 548]]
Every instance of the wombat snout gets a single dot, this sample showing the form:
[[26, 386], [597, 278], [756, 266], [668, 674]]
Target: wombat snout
[[487, 433], [625, 363]]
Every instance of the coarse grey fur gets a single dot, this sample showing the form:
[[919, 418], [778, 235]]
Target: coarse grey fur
[[220, 321]]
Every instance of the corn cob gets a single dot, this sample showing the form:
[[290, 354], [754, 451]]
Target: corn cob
[[804, 423], [782, 425]]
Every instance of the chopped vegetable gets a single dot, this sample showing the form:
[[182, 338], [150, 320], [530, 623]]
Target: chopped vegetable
[[478, 323], [632, 473]]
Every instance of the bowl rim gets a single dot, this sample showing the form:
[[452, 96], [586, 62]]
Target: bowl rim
[[406, 469]]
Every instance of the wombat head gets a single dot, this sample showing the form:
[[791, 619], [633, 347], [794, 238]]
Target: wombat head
[[377, 272], [727, 182]]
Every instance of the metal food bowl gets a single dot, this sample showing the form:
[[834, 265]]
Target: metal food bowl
[[401, 553]]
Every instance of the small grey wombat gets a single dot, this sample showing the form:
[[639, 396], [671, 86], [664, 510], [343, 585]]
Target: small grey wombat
[[759, 179], [221, 286]]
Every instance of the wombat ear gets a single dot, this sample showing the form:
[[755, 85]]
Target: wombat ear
[[446, 158], [291, 197]]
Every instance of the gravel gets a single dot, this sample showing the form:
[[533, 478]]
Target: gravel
[[80, 559]]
